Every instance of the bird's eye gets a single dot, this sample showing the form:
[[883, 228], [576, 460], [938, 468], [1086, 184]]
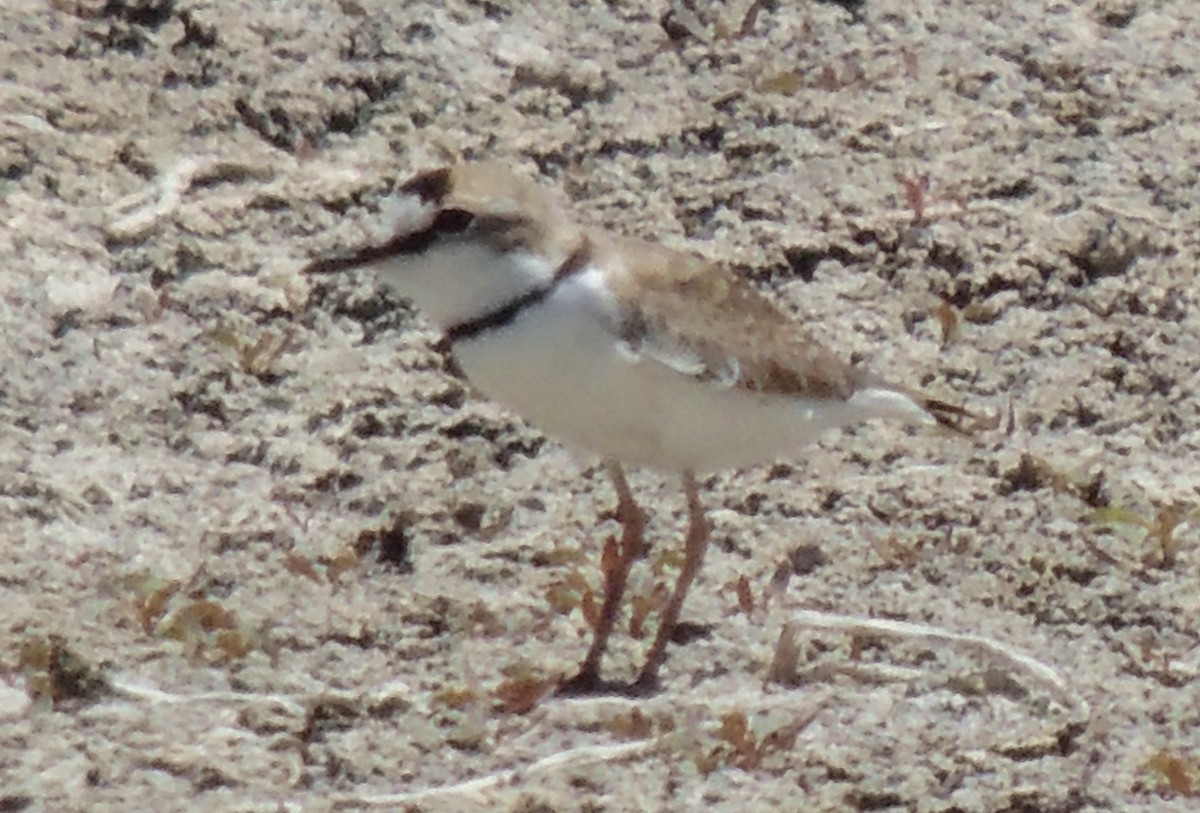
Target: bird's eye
[[452, 221], [499, 223]]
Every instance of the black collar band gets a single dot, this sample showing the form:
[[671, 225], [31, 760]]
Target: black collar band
[[507, 313]]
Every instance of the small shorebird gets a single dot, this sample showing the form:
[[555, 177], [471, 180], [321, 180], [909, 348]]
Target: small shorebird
[[641, 354]]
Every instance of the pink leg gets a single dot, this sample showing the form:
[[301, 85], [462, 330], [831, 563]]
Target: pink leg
[[695, 544], [633, 524]]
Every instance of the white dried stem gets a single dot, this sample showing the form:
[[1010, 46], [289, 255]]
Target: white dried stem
[[988, 647]]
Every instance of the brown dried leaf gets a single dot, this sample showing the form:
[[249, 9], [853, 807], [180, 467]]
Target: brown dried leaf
[[1034, 472], [948, 320], [482, 619], [560, 556], [667, 558], [299, 565], [784, 737], [779, 581], [453, 697], [346, 559], [916, 195], [786, 83], [745, 595], [735, 730], [828, 79], [260, 357], [467, 735], [83, 9], [785, 662], [979, 313], [54, 672], [191, 621], [151, 607], [1177, 771], [895, 554], [575, 591], [1163, 531], [520, 695], [561, 598], [575, 580], [233, 645], [632, 726], [707, 762], [227, 337], [641, 608]]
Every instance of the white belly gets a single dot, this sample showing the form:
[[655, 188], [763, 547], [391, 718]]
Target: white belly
[[561, 368]]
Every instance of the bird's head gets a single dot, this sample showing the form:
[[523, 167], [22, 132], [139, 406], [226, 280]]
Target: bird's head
[[465, 238]]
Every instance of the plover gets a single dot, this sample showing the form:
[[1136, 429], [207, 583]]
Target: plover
[[635, 352]]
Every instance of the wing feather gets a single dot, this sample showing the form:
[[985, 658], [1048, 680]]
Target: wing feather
[[706, 322]]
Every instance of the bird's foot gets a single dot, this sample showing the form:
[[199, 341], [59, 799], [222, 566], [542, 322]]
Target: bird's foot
[[588, 683]]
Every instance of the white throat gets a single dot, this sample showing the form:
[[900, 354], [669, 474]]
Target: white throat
[[456, 281]]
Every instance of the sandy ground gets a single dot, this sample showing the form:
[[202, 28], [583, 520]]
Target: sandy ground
[[262, 551]]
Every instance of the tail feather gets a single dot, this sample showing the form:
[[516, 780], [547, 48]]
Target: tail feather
[[882, 400], [951, 416]]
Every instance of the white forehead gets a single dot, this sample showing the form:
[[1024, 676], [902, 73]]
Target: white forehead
[[403, 213]]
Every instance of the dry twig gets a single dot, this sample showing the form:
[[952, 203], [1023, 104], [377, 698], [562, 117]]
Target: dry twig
[[989, 647]]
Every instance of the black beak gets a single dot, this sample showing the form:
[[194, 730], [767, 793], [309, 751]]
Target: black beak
[[446, 222]]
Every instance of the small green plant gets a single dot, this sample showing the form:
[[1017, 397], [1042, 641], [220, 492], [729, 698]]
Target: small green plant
[[1162, 533]]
